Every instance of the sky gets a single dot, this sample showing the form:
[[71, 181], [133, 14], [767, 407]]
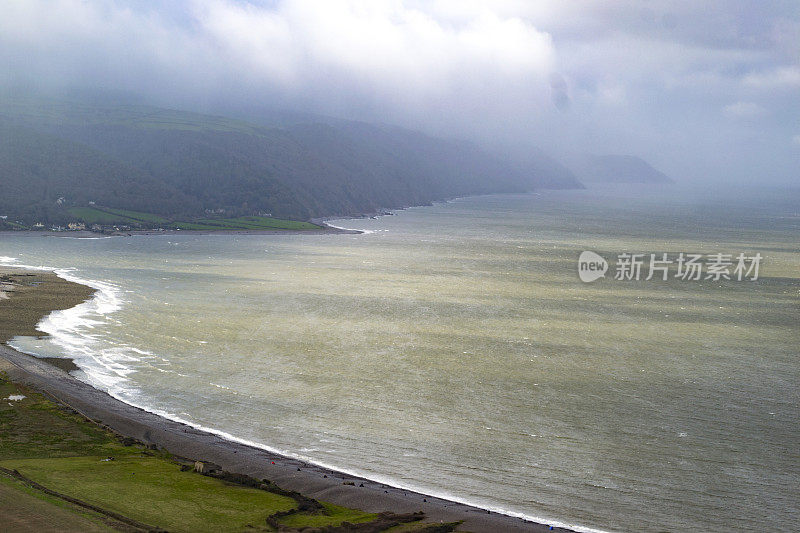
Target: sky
[[706, 91]]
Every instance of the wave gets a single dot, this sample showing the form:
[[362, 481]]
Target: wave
[[107, 368], [384, 480], [70, 330], [364, 231]]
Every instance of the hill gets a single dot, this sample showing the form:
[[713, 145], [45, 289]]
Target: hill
[[618, 169], [37, 170], [180, 164]]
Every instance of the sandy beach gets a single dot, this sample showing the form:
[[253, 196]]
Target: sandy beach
[[187, 442]]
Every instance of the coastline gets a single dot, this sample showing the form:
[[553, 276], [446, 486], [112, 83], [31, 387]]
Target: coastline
[[84, 234], [325, 229], [233, 456]]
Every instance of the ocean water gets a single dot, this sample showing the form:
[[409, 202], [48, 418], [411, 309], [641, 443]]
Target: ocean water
[[452, 349]]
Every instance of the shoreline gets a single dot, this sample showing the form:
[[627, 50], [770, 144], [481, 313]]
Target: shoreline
[[326, 229], [232, 455], [84, 234]]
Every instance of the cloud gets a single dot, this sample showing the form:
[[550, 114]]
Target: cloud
[[782, 77], [559, 91], [376, 40], [636, 77], [335, 56], [744, 110], [796, 140]]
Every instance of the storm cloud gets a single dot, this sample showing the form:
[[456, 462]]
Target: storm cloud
[[703, 90]]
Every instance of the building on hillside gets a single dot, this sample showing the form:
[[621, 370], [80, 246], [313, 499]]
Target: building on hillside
[[76, 226]]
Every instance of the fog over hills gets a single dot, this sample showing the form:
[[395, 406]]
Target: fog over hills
[[617, 169], [704, 91], [342, 107], [179, 163]]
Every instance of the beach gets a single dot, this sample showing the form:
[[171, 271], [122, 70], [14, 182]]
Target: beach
[[457, 354], [187, 442]]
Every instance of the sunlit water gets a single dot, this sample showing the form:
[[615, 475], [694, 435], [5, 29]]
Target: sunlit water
[[454, 350]]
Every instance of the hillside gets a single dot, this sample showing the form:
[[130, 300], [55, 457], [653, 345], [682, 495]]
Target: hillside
[[618, 169], [175, 163], [36, 170]]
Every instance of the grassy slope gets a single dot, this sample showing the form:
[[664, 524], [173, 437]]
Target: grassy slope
[[39, 168], [156, 491], [246, 223], [108, 215], [24, 510], [148, 218], [90, 215], [65, 453], [180, 164], [105, 215]]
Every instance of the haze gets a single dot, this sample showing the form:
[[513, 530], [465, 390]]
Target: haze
[[705, 91]]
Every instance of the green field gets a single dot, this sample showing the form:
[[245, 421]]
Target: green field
[[156, 491], [66, 453], [109, 216], [92, 215], [136, 215], [7, 224], [26, 510], [245, 223]]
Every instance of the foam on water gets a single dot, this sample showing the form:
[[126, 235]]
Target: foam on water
[[459, 355], [364, 231], [106, 366], [385, 480]]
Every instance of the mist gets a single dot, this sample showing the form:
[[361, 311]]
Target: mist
[[708, 92]]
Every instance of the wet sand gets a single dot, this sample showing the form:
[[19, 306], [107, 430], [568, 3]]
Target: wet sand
[[185, 441], [26, 296]]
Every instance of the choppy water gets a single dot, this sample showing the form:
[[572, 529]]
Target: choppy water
[[453, 350]]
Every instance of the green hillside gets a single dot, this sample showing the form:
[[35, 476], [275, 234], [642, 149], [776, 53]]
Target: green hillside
[[42, 175], [103, 216], [177, 166]]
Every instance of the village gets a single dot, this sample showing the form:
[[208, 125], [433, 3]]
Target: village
[[71, 226]]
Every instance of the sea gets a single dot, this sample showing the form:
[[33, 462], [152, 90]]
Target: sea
[[453, 349]]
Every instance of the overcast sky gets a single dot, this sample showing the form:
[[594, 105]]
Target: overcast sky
[[704, 90]]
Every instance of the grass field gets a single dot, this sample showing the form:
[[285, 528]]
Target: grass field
[[92, 215], [246, 223], [64, 452], [136, 215], [23, 510], [156, 491], [6, 224], [108, 216]]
